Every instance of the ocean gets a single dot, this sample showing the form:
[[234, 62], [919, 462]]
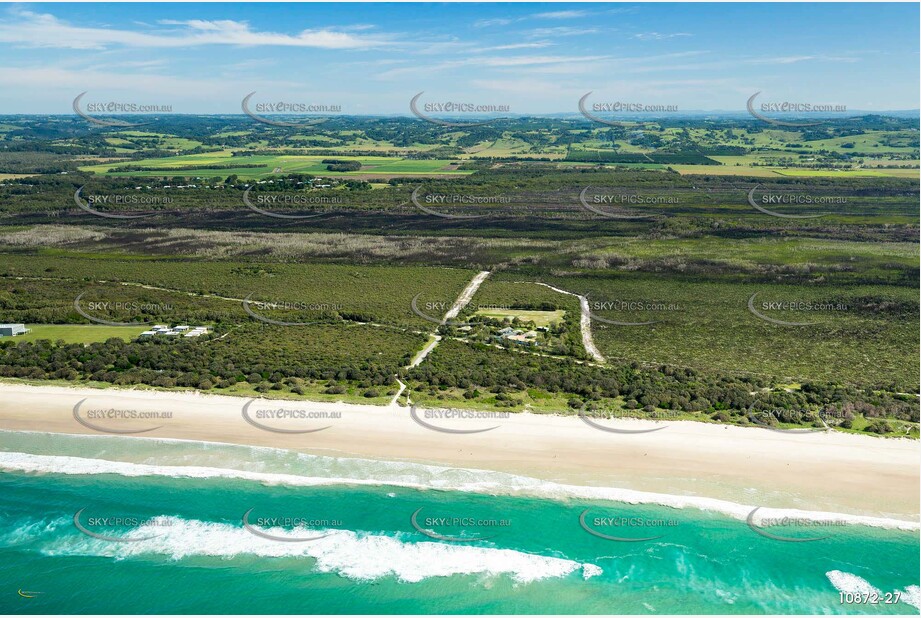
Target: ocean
[[106, 524]]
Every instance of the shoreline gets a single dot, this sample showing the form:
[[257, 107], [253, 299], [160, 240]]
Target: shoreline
[[28, 463], [714, 467]]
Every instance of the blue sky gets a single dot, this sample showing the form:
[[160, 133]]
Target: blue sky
[[534, 58]]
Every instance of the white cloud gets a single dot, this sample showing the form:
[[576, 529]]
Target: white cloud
[[658, 36], [560, 31], [795, 59], [539, 45], [153, 88], [486, 23], [487, 62], [560, 14], [517, 61], [45, 30], [59, 85]]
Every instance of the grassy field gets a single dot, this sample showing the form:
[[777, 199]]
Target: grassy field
[[268, 164], [725, 170], [540, 318], [766, 171], [77, 333], [145, 139], [874, 172]]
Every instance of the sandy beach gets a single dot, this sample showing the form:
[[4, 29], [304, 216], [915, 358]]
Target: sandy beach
[[834, 472]]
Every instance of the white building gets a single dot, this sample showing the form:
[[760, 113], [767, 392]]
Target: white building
[[11, 330], [182, 330]]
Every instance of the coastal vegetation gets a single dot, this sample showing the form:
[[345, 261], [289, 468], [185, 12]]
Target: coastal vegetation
[[688, 282]]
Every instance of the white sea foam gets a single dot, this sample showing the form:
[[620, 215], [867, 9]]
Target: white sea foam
[[854, 584], [912, 596], [354, 555], [420, 476], [850, 583]]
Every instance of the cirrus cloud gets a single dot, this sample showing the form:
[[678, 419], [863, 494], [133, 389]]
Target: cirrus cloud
[[30, 29]]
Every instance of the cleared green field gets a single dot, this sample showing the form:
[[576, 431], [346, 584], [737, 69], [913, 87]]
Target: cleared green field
[[765, 172], [267, 164], [754, 157], [638, 166], [726, 170], [873, 141], [162, 140], [875, 172], [77, 333], [540, 318]]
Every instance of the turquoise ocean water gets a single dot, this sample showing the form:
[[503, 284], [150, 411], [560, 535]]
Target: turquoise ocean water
[[170, 515]]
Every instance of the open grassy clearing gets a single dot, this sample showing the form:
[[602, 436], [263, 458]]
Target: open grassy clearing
[[726, 170], [851, 173], [145, 139], [766, 171], [268, 165], [539, 318], [77, 333]]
